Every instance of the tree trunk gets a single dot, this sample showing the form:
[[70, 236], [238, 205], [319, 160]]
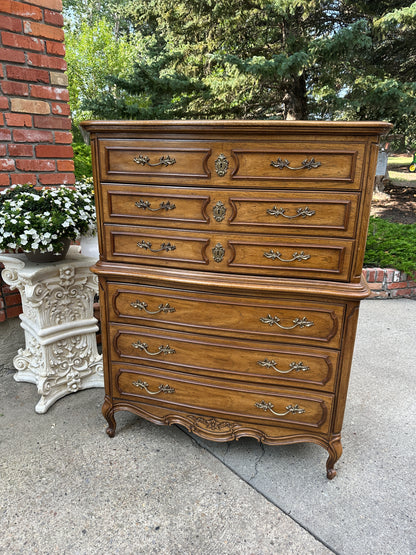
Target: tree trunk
[[295, 105]]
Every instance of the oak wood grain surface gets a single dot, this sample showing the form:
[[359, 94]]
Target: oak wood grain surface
[[230, 272]]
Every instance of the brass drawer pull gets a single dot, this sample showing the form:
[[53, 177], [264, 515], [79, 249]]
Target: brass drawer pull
[[163, 161], [306, 164], [275, 321], [141, 305], [295, 256], [146, 205], [161, 389], [293, 366], [163, 247], [300, 212], [163, 349], [289, 409]]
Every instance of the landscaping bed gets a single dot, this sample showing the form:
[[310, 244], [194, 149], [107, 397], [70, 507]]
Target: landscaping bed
[[397, 204]]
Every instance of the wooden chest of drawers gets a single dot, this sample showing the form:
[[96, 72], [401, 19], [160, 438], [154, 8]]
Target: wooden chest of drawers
[[230, 273]]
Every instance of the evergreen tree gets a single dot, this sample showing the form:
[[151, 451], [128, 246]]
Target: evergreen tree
[[282, 59]]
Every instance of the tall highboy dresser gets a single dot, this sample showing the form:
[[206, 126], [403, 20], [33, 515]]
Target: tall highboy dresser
[[230, 272]]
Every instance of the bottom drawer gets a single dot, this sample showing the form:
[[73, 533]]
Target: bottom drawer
[[237, 400]]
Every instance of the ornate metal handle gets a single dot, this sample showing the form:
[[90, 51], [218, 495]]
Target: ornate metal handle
[[295, 256], [306, 164], [300, 212], [161, 389], [295, 409], [163, 160], [163, 349], [275, 321], [146, 205], [141, 305], [163, 247], [293, 366]]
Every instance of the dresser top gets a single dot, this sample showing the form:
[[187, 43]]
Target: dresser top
[[265, 127]]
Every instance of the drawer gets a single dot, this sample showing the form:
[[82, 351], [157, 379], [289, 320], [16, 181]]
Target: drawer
[[236, 253], [268, 164], [290, 321], [309, 165], [290, 212], [154, 161], [272, 363], [248, 402]]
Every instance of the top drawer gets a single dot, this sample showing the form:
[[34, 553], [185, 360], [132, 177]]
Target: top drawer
[[269, 164], [154, 161], [310, 165]]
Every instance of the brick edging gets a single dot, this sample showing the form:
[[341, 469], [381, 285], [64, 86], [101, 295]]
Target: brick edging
[[388, 283]]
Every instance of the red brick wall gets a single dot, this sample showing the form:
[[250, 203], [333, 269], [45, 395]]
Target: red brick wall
[[388, 283], [35, 123]]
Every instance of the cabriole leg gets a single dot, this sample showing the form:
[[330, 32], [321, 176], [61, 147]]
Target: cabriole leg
[[335, 451], [108, 413]]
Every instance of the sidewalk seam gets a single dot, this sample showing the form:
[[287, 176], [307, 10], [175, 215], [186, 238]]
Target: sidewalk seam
[[260, 493]]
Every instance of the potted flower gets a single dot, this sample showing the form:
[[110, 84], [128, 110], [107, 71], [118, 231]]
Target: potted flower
[[88, 239], [43, 221]]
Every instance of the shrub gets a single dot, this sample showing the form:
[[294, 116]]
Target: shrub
[[82, 160], [391, 245]]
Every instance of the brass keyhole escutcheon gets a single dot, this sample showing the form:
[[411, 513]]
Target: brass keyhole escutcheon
[[218, 252], [219, 211], [221, 165]]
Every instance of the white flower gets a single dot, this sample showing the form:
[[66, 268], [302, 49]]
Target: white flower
[[65, 212]]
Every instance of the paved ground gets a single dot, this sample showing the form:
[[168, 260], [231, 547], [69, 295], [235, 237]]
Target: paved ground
[[65, 487]]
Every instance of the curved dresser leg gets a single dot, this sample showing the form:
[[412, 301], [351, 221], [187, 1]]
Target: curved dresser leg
[[335, 451], [108, 413]]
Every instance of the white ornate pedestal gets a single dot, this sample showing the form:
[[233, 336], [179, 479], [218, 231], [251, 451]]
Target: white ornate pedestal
[[61, 350]]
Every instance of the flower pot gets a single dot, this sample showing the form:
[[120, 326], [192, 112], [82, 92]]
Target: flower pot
[[89, 246], [45, 257]]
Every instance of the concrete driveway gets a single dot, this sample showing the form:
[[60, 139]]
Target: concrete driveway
[[65, 487]]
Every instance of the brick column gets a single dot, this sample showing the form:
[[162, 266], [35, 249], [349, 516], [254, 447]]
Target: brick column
[[35, 124]]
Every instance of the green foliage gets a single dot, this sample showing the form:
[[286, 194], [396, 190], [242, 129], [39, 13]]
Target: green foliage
[[82, 160], [156, 90], [93, 52], [280, 59], [391, 245]]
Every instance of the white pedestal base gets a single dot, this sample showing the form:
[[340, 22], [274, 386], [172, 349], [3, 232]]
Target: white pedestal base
[[60, 356]]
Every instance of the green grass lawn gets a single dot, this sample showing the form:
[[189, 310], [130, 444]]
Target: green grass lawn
[[398, 161], [401, 178]]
